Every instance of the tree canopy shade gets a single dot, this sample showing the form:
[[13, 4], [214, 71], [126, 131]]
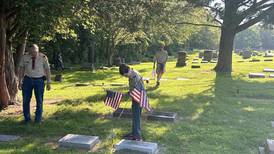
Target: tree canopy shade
[[235, 16]]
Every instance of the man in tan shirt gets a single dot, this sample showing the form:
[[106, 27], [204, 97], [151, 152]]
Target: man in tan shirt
[[160, 58], [33, 71]]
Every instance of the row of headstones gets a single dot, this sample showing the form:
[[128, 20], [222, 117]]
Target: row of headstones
[[125, 146], [248, 54], [268, 148], [262, 75], [256, 60]]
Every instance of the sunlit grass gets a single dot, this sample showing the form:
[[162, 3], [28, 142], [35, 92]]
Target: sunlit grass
[[216, 114]]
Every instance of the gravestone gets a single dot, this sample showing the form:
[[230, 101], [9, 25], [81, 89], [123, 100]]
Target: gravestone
[[272, 124], [195, 66], [162, 116], [269, 149], [81, 84], [117, 61], [181, 61], [256, 75], [268, 59], [208, 55], [246, 54], [127, 113], [78, 141], [214, 55], [268, 70], [271, 75], [182, 79], [58, 78], [201, 54], [8, 138], [268, 54], [138, 146]]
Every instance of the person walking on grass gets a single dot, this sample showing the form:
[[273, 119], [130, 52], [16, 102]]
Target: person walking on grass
[[135, 81], [33, 71], [160, 58]]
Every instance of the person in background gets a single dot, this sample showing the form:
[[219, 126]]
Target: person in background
[[160, 58]]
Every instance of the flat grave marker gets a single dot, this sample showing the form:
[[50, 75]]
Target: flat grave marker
[[182, 79], [8, 138], [138, 146], [79, 141], [268, 59], [271, 75], [256, 75], [162, 116], [268, 70], [195, 66]]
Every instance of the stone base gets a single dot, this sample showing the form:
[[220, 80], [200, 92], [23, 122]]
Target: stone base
[[256, 75], [261, 150], [79, 141], [162, 116], [127, 113], [8, 138], [136, 146]]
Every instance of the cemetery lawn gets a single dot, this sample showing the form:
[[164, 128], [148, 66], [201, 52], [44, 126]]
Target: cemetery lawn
[[216, 114]]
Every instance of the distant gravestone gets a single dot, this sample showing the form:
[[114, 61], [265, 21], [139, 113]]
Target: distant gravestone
[[195, 66], [254, 60], [268, 54], [122, 113], [139, 146], [268, 59], [268, 70], [81, 84], [79, 141], [208, 54], [271, 75], [256, 75], [240, 61], [201, 54], [261, 150], [195, 62], [204, 61], [246, 54], [58, 78], [8, 138], [181, 61], [162, 116], [269, 146]]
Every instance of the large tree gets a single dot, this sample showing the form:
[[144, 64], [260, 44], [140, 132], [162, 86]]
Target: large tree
[[234, 16]]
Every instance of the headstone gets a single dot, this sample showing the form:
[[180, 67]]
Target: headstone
[[139, 146], [58, 78], [208, 55], [204, 61], [256, 75], [268, 59], [117, 61], [271, 75], [8, 138], [181, 61], [122, 113], [118, 84], [214, 55], [201, 54], [268, 70], [261, 150], [81, 84], [267, 54], [182, 79], [162, 116], [195, 66], [269, 146], [246, 54], [79, 141]]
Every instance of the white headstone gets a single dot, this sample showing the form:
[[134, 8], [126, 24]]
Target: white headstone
[[79, 141], [268, 70], [146, 147]]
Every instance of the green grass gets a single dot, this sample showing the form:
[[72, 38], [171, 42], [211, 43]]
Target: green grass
[[216, 114]]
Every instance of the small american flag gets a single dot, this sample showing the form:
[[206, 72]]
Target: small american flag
[[113, 99], [140, 97]]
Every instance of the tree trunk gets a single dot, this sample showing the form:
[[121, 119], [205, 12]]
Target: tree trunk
[[11, 79], [224, 64], [20, 50], [4, 94]]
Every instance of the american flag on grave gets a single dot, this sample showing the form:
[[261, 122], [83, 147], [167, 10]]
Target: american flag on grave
[[113, 99], [140, 97]]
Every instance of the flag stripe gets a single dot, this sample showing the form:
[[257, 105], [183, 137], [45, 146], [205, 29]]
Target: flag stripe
[[113, 99], [140, 97]]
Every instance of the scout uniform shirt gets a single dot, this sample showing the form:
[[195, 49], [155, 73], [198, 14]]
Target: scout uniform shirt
[[135, 81], [161, 56], [34, 68]]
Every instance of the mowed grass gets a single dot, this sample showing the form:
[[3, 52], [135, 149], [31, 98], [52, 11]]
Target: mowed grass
[[217, 114]]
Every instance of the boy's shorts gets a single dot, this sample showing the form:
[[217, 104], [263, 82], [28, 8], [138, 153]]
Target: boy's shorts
[[161, 68]]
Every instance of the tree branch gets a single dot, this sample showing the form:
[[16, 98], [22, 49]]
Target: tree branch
[[197, 24], [254, 20]]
